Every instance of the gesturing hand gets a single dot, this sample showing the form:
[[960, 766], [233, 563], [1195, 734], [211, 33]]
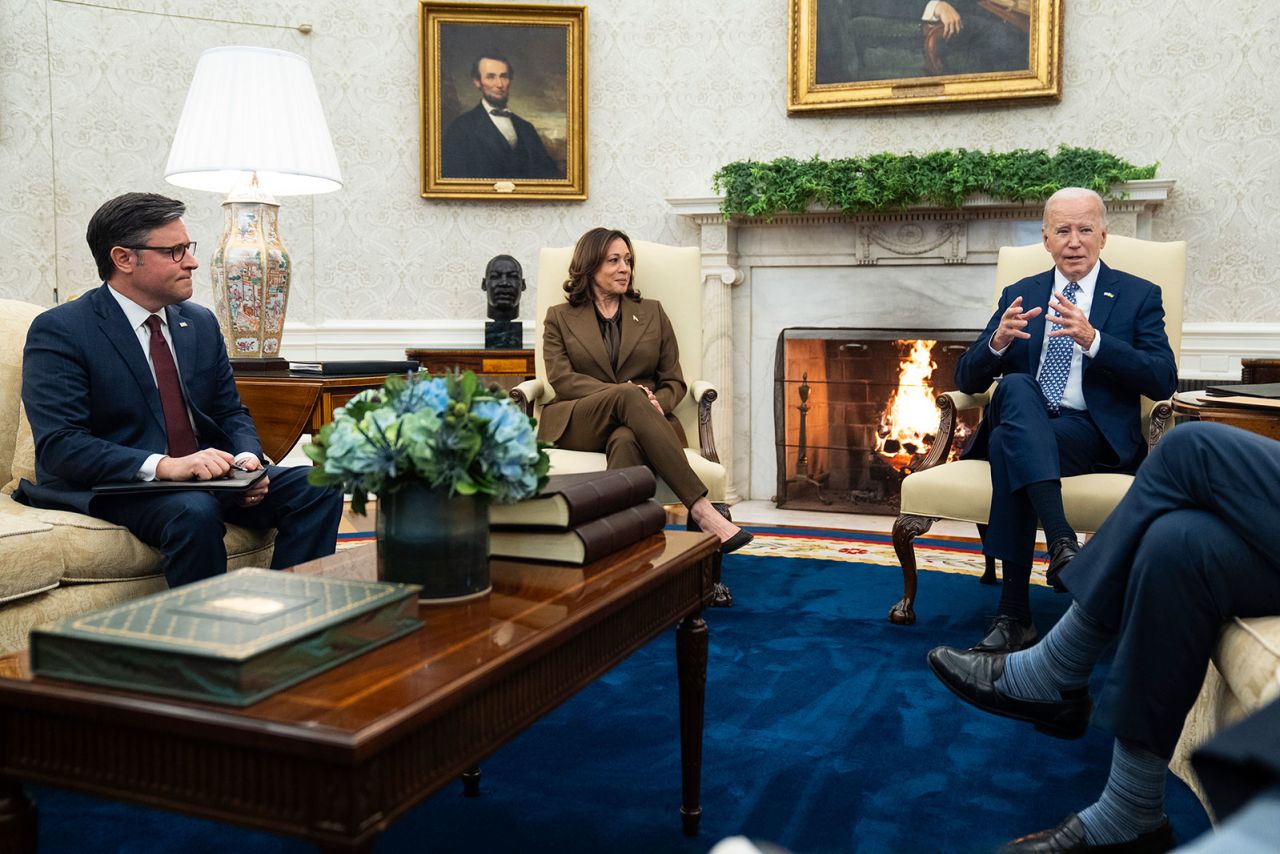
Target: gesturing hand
[[1071, 321], [1012, 323]]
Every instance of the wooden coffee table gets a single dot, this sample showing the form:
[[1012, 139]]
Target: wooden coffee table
[[337, 758]]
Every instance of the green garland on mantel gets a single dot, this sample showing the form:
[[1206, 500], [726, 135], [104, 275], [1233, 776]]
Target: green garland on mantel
[[887, 181]]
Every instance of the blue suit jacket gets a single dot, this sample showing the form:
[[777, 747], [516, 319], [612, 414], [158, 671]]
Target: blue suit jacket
[[1134, 359], [93, 405]]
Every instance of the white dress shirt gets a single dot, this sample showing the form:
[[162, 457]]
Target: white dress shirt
[[137, 317], [1073, 394], [505, 126]]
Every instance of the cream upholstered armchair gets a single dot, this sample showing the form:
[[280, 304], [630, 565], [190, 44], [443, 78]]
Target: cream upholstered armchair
[[673, 276], [961, 490]]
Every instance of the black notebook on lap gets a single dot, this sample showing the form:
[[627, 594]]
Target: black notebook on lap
[[234, 481]]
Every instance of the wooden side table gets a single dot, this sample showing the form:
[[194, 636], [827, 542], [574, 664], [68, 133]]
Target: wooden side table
[[285, 405], [1197, 406], [506, 368]]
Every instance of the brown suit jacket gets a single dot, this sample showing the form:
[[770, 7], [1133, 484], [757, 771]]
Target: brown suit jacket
[[578, 365]]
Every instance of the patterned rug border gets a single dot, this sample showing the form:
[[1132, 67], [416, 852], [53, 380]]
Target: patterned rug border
[[956, 555]]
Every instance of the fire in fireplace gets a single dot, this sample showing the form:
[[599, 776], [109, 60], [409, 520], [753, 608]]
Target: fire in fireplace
[[854, 411]]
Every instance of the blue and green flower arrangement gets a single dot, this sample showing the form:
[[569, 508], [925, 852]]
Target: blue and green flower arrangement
[[446, 432]]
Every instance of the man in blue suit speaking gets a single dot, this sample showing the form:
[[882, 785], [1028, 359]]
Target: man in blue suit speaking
[[132, 382], [1077, 347]]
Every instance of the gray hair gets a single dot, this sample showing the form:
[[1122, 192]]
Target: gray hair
[[1075, 193]]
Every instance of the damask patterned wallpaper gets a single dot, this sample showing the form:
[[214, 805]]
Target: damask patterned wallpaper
[[90, 95]]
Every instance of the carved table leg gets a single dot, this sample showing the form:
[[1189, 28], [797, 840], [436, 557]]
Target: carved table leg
[[989, 574], [18, 818], [471, 782], [691, 664], [905, 529]]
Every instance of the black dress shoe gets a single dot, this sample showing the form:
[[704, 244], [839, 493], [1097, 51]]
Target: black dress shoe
[[1006, 635], [972, 676], [1069, 836], [1061, 551]]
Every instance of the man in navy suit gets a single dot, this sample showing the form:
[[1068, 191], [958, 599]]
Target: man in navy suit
[[490, 141], [1068, 402], [108, 402], [1192, 545]]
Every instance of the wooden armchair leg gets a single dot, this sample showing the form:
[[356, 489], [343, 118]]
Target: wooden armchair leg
[[905, 529], [989, 574]]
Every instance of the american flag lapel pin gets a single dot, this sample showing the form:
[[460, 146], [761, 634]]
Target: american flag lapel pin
[[183, 323], [636, 319]]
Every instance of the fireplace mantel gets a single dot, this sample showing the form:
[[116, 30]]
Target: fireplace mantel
[[919, 267]]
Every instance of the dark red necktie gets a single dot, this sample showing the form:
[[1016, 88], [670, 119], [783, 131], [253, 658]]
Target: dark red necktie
[[182, 439]]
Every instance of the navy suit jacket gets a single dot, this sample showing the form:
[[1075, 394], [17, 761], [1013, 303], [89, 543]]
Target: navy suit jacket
[[94, 407], [473, 148], [1134, 359]]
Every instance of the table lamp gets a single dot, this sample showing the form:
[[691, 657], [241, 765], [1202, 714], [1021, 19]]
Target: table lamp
[[252, 127]]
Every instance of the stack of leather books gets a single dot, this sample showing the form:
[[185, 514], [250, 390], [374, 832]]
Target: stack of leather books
[[578, 518]]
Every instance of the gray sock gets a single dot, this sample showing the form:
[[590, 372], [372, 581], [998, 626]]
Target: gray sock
[[1132, 802], [1062, 660]]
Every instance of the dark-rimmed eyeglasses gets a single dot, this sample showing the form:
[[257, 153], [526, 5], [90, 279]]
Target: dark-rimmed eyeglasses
[[177, 253]]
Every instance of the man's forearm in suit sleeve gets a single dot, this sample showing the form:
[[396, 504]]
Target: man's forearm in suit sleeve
[[979, 365], [56, 399], [230, 414]]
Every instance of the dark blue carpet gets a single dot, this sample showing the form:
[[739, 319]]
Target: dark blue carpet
[[825, 733]]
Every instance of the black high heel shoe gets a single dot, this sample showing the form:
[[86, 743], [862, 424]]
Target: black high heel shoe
[[732, 544]]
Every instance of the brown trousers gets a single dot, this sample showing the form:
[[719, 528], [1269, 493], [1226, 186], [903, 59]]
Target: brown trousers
[[623, 423]]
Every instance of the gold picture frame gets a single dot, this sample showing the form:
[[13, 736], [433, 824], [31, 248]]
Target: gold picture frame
[[883, 54], [503, 93]]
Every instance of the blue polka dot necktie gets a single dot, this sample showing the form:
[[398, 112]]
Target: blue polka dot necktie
[[1057, 360]]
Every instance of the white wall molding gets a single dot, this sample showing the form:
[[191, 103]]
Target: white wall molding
[[1214, 350], [383, 339]]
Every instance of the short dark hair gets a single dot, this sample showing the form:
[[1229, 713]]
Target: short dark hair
[[127, 221], [475, 66], [588, 256]]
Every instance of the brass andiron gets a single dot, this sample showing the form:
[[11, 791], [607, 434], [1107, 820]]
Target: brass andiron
[[802, 457]]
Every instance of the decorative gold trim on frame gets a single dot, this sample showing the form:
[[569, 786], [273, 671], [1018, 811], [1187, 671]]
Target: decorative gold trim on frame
[[573, 21], [1042, 81]]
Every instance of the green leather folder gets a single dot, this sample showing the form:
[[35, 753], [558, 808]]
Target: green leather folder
[[232, 639]]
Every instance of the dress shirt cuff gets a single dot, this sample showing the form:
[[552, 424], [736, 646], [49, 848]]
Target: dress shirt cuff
[[148, 470], [929, 11], [993, 350], [246, 455], [1092, 352]]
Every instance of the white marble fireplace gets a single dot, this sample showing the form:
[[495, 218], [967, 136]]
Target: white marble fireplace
[[920, 268]]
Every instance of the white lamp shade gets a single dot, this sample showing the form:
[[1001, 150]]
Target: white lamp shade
[[253, 110]]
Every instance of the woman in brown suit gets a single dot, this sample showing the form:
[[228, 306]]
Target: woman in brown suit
[[613, 361]]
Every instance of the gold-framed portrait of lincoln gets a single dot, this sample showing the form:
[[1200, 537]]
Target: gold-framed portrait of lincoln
[[503, 100], [888, 54]]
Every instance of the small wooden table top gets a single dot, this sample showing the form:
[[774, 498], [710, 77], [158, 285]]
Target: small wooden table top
[[285, 404], [337, 757], [1198, 406]]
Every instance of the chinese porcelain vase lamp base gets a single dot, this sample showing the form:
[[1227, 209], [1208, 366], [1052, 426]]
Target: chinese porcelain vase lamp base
[[252, 126]]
